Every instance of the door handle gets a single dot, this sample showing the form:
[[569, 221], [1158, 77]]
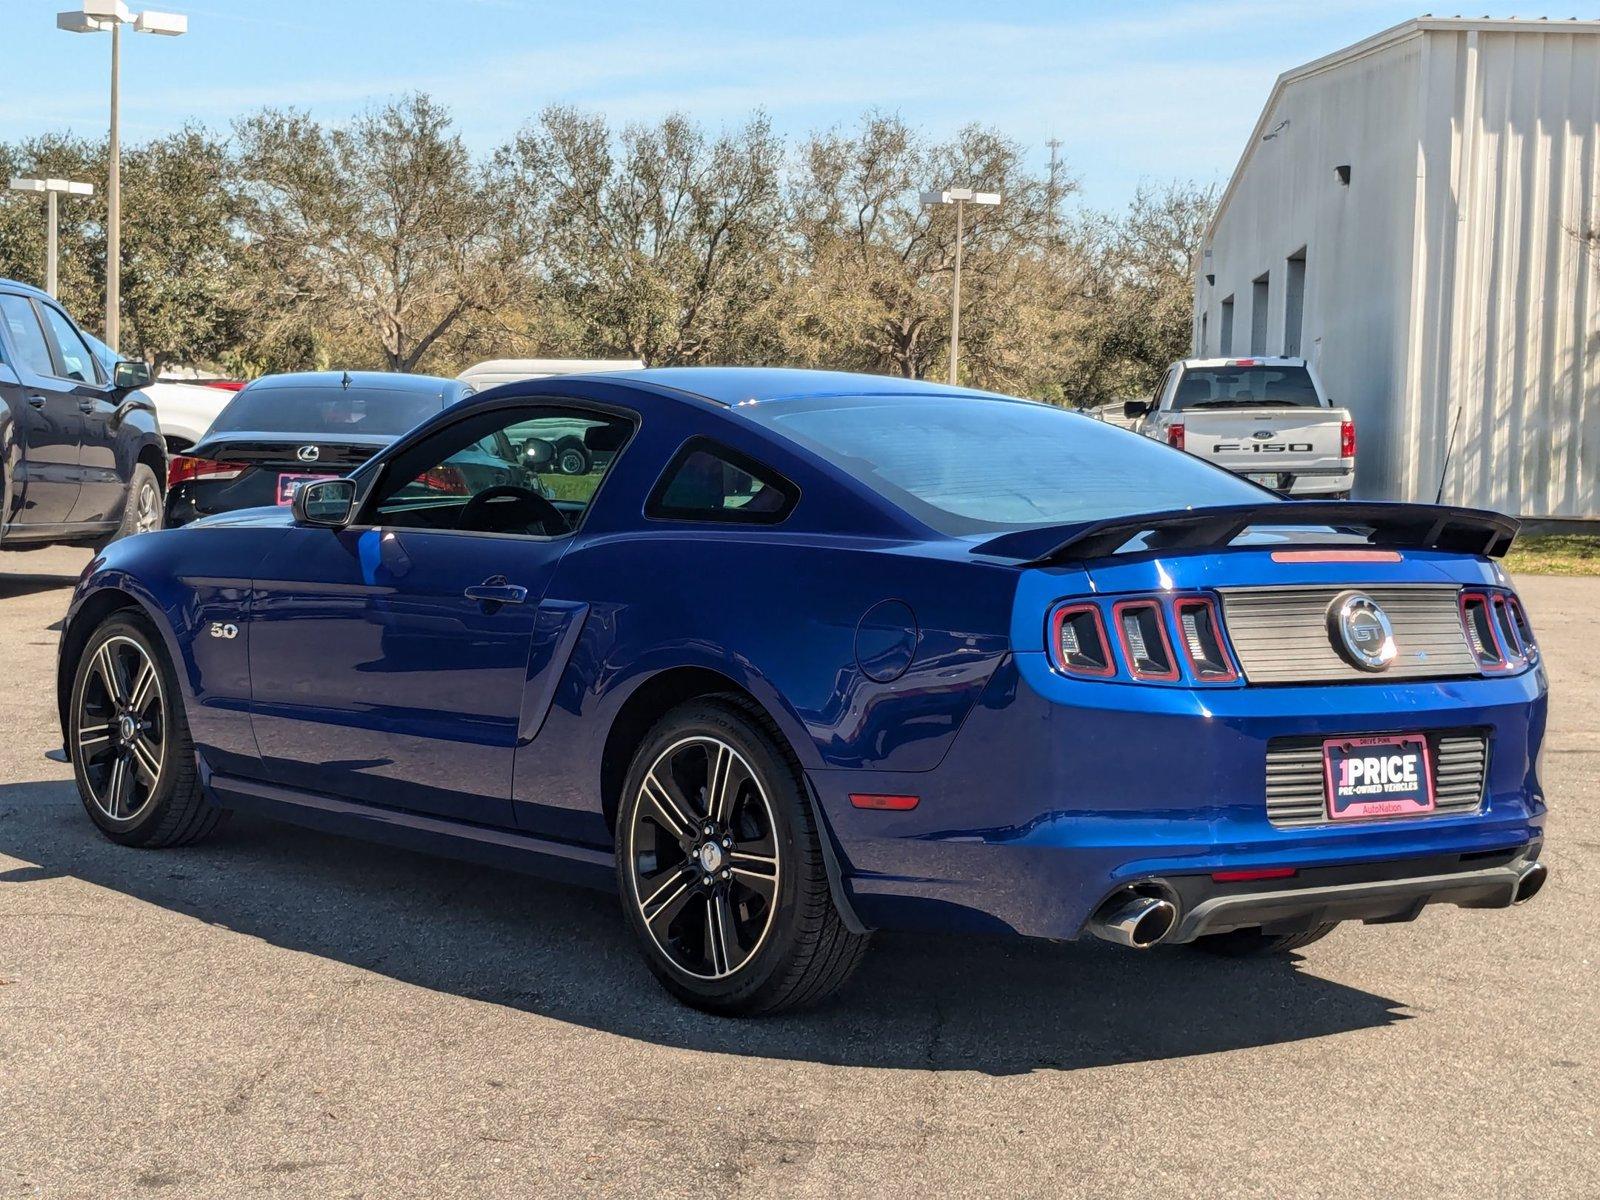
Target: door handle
[[495, 590], [86, 407], [37, 401]]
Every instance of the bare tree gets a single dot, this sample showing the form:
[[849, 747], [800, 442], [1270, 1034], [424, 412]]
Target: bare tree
[[384, 231], [879, 266], [662, 243]]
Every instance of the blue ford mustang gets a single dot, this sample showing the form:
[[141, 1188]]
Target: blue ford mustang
[[804, 654]]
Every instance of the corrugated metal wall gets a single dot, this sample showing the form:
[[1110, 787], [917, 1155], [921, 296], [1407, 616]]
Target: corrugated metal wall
[[1506, 340], [1447, 288]]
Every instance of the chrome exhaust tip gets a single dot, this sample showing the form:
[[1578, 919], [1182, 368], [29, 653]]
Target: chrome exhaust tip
[[1529, 880], [1136, 921]]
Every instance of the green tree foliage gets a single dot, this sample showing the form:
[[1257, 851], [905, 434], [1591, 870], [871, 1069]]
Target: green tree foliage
[[662, 243], [384, 242]]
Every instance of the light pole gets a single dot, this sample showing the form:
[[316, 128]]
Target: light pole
[[960, 197], [103, 16], [51, 188]]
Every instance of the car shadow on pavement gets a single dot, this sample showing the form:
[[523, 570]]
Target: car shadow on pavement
[[1001, 1006], [16, 585]]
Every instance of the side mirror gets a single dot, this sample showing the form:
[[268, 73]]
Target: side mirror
[[1134, 409], [326, 502], [537, 452], [131, 374]]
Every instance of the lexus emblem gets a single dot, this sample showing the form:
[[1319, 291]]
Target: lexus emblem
[[308, 454], [1361, 632]]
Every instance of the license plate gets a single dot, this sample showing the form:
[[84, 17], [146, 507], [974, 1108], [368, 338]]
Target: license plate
[[1378, 777], [288, 485], [1271, 481]]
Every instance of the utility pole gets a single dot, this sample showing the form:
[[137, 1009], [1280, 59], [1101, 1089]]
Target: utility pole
[[960, 197], [51, 188], [109, 16]]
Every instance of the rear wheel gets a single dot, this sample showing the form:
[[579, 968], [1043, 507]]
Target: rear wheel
[[1253, 943], [131, 753], [720, 867], [145, 511]]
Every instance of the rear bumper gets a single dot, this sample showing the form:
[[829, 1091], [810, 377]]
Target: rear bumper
[[1057, 794], [1376, 893], [1322, 483]]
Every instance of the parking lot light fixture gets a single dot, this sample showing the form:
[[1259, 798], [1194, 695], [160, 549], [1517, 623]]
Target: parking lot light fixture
[[109, 16], [960, 197], [51, 189]]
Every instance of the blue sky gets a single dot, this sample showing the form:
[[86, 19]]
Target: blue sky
[[1135, 91]]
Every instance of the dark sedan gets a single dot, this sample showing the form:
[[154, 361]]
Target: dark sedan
[[285, 430]]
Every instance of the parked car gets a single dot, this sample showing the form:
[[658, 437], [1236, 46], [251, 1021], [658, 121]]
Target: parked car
[[184, 410], [81, 455], [572, 456], [1265, 418], [283, 430], [799, 664]]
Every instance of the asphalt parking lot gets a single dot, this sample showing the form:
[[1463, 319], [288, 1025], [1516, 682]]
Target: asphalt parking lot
[[278, 1012]]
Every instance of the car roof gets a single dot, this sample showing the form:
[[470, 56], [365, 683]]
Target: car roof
[[385, 381], [733, 386], [26, 288]]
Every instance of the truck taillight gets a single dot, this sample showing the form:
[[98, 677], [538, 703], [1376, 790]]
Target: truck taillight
[[184, 468], [1175, 435], [1347, 439]]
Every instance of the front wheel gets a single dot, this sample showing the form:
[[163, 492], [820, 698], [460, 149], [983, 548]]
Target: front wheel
[[721, 870], [131, 752]]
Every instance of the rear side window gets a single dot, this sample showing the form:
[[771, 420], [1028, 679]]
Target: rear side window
[[1245, 387], [969, 464], [26, 335], [709, 482]]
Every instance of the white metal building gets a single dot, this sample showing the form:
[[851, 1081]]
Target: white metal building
[[1406, 216]]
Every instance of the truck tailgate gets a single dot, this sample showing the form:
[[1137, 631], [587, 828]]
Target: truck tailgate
[[1245, 440]]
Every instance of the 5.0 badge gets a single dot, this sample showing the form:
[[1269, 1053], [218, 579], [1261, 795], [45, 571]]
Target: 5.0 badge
[[221, 629]]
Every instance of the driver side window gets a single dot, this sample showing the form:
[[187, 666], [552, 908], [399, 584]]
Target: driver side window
[[512, 471]]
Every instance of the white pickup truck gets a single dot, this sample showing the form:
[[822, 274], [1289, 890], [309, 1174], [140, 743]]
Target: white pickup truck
[[1267, 419]]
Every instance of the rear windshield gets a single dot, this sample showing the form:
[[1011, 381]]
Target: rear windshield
[[1245, 387], [970, 465], [326, 410]]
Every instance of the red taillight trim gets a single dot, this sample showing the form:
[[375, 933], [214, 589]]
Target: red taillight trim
[[1175, 435], [1503, 663], [879, 803], [182, 468], [1179, 606], [1123, 606], [1057, 618], [1347, 439], [1250, 876]]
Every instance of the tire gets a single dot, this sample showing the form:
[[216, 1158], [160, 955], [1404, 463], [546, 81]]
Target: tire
[[168, 808], [783, 943], [1253, 943], [572, 457], [145, 511]]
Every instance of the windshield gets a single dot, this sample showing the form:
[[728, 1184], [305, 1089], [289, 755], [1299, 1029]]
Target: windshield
[[326, 410], [1246, 387], [972, 465]]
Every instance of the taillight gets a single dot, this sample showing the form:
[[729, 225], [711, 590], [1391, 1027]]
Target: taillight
[[1477, 618], [1142, 632], [1175, 435], [1347, 439], [1078, 641], [184, 468], [1524, 628], [1200, 631], [446, 480]]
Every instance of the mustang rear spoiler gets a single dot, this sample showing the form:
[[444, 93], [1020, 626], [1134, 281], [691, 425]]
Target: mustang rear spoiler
[[1394, 526]]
